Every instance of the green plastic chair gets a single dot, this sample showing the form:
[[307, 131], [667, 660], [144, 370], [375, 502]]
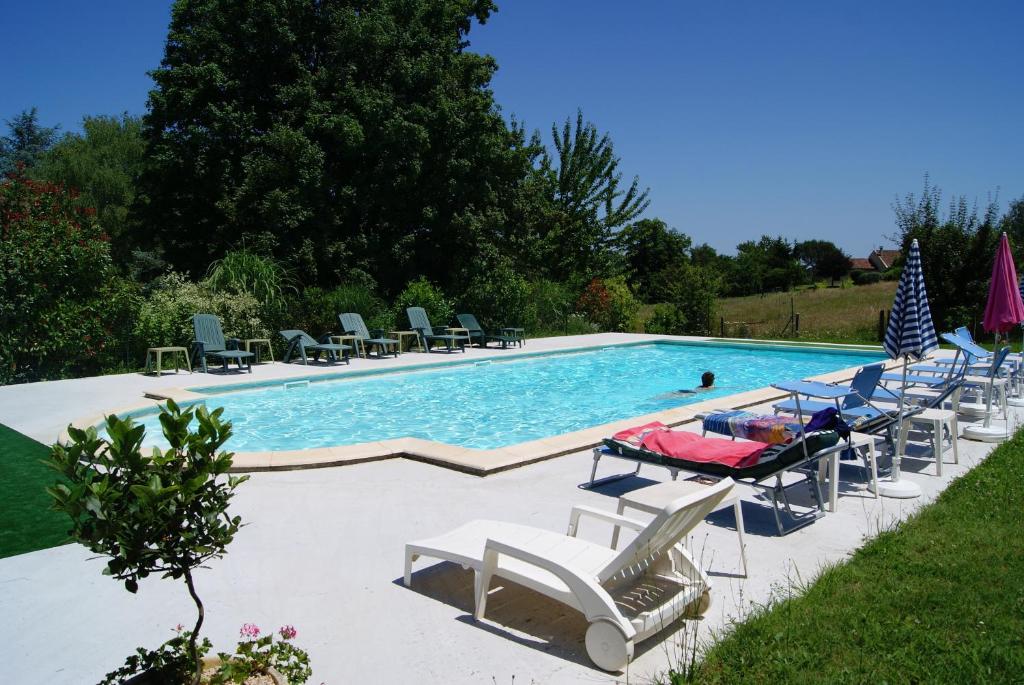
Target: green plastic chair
[[419, 322], [476, 332], [300, 342], [210, 342], [352, 324]]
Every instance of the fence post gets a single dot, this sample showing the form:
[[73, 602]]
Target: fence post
[[721, 327], [796, 324], [881, 325]]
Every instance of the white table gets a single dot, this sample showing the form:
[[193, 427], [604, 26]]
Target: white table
[[654, 498], [858, 441]]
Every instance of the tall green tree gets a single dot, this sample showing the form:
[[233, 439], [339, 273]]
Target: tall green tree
[[957, 250], [822, 259], [587, 201], [104, 165], [357, 134], [652, 253], [25, 142]]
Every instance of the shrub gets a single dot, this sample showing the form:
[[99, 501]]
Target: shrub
[[551, 306], [165, 317], [62, 308], [319, 308], [892, 273], [666, 319], [251, 274], [423, 293], [500, 297], [866, 277], [610, 304]]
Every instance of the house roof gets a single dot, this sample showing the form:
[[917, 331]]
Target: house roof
[[888, 257], [862, 264]]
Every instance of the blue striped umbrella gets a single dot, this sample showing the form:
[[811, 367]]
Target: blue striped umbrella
[[910, 334]]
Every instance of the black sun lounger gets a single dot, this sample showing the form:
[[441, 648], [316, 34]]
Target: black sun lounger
[[800, 456]]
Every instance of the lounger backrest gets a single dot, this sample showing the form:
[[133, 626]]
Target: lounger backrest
[[863, 383], [418, 320], [468, 321], [997, 361], [209, 333], [965, 333], [352, 321], [669, 527], [970, 348], [305, 338]]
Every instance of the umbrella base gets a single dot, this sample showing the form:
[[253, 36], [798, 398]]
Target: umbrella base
[[985, 433], [898, 489]]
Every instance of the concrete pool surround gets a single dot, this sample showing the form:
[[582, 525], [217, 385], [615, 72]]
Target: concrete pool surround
[[479, 462]]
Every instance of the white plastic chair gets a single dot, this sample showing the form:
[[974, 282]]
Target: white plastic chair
[[626, 595]]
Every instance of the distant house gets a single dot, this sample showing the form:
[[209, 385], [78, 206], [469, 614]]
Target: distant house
[[879, 260]]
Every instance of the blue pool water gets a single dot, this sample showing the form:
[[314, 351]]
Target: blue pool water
[[505, 402]]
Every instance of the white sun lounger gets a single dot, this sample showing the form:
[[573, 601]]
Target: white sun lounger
[[626, 595]]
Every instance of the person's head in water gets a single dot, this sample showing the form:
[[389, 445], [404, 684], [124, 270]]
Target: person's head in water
[[707, 379]]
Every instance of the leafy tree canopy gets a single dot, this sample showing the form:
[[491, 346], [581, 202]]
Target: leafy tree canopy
[[359, 135], [822, 259], [652, 253], [25, 142], [103, 164]]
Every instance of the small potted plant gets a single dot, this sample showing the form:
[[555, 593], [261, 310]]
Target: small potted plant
[[165, 512], [280, 660]]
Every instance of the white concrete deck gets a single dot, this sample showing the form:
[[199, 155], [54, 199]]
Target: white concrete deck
[[323, 550]]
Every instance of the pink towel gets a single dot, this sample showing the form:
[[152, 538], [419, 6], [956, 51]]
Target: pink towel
[[657, 437]]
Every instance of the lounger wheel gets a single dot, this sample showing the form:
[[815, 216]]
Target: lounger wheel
[[607, 647]]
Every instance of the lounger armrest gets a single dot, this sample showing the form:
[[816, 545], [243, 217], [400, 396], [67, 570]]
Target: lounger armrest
[[377, 332], [233, 343], [325, 339], [348, 333], [616, 519], [594, 601]]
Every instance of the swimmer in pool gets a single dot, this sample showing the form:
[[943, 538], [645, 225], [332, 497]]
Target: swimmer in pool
[[707, 382]]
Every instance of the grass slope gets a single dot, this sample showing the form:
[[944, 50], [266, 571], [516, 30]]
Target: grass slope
[[939, 600], [826, 314], [28, 522]]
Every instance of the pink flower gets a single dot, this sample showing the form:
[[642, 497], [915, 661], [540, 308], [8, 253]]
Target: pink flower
[[178, 628], [249, 630], [287, 632]]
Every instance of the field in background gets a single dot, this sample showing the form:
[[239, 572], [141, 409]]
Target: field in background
[[848, 314]]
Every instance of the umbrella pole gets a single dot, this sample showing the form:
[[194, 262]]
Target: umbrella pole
[[894, 486]]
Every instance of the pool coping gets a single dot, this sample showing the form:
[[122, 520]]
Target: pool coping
[[476, 461]]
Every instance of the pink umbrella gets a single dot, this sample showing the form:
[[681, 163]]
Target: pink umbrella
[[1005, 309]]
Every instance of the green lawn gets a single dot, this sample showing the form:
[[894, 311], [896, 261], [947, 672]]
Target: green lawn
[[939, 600], [28, 522]]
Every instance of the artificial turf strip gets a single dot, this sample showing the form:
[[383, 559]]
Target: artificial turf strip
[[27, 523], [939, 600]]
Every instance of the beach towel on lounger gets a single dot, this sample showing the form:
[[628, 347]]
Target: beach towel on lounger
[[659, 438], [774, 430]]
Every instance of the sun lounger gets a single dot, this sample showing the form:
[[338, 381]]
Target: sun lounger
[[626, 595], [758, 465], [301, 343], [419, 322], [210, 342], [352, 324], [477, 334], [863, 384]]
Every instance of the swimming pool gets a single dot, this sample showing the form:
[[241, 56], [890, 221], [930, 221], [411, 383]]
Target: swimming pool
[[487, 404]]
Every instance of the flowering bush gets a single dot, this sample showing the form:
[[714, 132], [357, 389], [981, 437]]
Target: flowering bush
[[62, 309], [610, 304], [257, 655], [165, 318]]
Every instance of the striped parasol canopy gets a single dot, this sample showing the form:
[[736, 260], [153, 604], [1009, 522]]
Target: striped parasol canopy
[[911, 332]]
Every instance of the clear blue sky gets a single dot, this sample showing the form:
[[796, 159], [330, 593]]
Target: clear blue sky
[[804, 119]]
